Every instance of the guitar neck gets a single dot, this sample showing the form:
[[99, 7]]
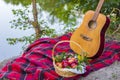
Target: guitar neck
[[98, 10]]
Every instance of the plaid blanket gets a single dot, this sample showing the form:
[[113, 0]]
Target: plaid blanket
[[36, 61]]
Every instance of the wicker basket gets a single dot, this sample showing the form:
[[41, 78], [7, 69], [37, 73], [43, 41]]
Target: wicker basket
[[62, 71]]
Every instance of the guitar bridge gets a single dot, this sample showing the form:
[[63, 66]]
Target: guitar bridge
[[85, 37]]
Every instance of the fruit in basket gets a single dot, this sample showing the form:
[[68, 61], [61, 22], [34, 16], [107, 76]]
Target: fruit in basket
[[68, 60], [65, 63]]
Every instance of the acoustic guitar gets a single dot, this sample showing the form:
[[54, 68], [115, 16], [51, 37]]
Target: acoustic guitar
[[90, 34]]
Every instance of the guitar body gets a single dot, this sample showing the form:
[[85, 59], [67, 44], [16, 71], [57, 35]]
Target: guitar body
[[90, 36]]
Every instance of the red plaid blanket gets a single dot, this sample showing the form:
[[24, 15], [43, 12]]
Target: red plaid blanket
[[36, 61]]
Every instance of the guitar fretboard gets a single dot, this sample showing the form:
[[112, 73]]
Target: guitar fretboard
[[98, 10]]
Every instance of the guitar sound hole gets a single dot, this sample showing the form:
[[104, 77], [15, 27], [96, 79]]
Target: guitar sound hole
[[92, 24]]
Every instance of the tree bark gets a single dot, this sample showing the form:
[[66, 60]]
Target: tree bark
[[35, 22]]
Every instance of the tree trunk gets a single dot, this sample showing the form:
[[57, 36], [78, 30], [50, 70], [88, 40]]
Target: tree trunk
[[35, 22]]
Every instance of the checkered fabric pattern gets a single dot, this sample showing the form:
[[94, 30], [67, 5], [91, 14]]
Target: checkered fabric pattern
[[36, 61]]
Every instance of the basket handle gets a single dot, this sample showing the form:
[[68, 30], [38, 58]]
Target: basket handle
[[66, 41]]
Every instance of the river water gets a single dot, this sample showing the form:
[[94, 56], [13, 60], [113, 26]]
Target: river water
[[6, 50]]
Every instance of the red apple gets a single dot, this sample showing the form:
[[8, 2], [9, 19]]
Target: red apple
[[65, 63]]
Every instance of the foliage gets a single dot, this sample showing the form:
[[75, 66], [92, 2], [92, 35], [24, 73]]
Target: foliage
[[63, 9], [115, 22], [23, 21], [18, 2], [25, 39], [57, 7]]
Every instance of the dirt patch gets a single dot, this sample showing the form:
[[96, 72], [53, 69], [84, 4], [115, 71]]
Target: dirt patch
[[111, 72]]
